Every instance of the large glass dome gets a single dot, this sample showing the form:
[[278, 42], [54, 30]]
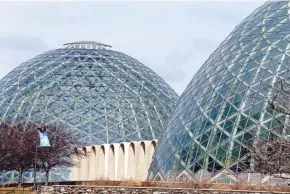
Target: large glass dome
[[226, 101], [105, 95]]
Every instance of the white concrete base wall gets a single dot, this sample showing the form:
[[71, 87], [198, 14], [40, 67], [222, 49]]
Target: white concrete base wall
[[118, 161]]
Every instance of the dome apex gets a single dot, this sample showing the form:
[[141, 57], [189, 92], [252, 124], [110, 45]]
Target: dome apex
[[87, 45]]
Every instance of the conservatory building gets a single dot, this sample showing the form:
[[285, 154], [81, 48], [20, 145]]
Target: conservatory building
[[225, 106], [109, 99]]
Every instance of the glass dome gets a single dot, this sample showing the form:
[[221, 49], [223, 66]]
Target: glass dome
[[104, 95], [226, 101]]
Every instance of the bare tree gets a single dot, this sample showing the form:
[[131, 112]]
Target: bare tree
[[62, 151], [19, 143], [272, 157], [271, 154], [3, 147], [18, 146]]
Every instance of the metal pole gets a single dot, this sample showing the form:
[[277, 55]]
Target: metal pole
[[35, 159]]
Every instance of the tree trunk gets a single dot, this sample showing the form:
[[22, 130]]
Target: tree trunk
[[20, 172], [46, 176]]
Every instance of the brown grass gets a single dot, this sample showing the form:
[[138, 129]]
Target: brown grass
[[15, 190]]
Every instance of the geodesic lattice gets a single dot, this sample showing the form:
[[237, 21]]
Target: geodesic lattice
[[105, 95], [226, 101]]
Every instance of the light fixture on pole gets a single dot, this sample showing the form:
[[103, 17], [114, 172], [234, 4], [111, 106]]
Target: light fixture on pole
[[44, 142]]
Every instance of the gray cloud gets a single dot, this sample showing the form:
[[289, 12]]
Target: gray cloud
[[172, 38], [21, 43], [17, 49], [203, 45], [231, 12], [175, 63]]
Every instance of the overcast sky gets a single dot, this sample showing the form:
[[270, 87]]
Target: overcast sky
[[172, 38]]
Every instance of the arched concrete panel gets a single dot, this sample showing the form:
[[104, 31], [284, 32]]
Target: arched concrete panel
[[150, 152], [131, 162], [126, 146], [121, 163], [111, 163], [75, 170], [101, 163], [94, 162], [154, 144], [90, 163], [83, 170], [140, 159]]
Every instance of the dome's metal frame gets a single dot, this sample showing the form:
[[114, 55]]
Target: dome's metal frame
[[225, 105], [104, 96]]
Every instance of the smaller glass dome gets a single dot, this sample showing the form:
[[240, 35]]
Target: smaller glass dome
[[104, 95]]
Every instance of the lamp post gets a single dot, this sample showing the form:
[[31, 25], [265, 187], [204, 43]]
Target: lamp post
[[35, 162], [35, 158], [43, 142]]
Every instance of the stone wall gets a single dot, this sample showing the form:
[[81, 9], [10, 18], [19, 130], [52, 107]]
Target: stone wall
[[58, 189]]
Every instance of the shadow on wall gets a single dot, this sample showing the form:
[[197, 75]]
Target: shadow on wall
[[117, 161]]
